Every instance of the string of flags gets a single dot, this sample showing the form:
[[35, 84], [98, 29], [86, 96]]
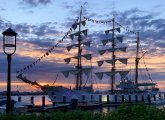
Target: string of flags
[[106, 22], [125, 28], [97, 21], [48, 51]]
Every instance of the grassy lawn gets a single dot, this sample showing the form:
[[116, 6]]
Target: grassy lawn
[[124, 112]]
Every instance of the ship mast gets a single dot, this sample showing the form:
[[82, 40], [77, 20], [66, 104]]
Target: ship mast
[[137, 60], [113, 56], [79, 69], [79, 63]]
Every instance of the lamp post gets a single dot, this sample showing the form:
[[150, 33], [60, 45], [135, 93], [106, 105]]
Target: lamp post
[[9, 48]]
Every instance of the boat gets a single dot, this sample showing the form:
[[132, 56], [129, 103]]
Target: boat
[[129, 88]]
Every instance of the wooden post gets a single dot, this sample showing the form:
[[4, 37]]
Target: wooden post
[[142, 98], [108, 99], [91, 98], [64, 99], [43, 101], [19, 98], [32, 100], [54, 103], [100, 98], [136, 98], [122, 98], [83, 99], [129, 98], [74, 104], [154, 97], [159, 95], [148, 97], [115, 98]]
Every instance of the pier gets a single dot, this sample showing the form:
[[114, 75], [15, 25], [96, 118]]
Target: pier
[[96, 101]]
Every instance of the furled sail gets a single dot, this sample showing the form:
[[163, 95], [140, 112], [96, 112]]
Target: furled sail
[[100, 75], [86, 71], [123, 49], [77, 45], [78, 33]]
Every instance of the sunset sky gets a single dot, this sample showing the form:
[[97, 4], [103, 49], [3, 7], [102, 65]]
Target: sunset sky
[[40, 24]]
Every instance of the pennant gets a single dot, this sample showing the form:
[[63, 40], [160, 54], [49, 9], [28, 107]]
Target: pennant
[[120, 38], [101, 52], [109, 73], [76, 45], [65, 73], [75, 72], [123, 49], [99, 75], [71, 36], [76, 57], [69, 48], [87, 56], [107, 32], [104, 42], [47, 53], [123, 60], [123, 74], [77, 33], [118, 29], [67, 60], [86, 71], [100, 63], [85, 32], [83, 23], [110, 61], [74, 26], [87, 43]]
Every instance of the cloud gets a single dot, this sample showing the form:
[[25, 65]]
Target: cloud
[[35, 3]]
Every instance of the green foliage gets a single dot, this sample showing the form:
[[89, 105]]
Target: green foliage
[[124, 112]]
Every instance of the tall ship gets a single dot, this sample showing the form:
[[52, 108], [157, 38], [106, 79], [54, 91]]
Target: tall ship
[[82, 72]]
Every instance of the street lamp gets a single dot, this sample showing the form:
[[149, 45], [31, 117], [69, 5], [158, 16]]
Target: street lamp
[[9, 48]]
